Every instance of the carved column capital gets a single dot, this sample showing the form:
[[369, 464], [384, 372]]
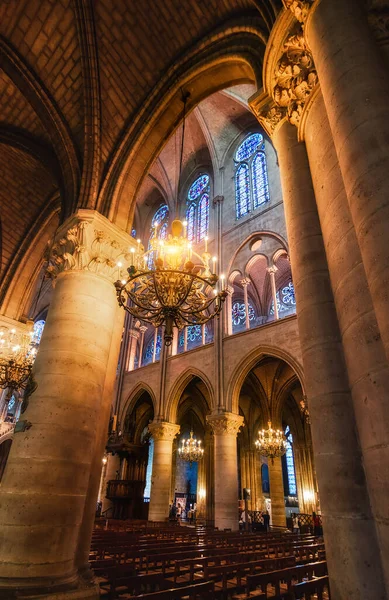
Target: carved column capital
[[299, 8], [134, 333], [294, 77], [217, 200], [245, 282], [273, 269], [163, 430], [87, 241], [143, 329], [225, 423]]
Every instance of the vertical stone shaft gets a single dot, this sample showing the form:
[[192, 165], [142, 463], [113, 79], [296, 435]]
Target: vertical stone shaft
[[113, 465], [163, 434], [355, 85], [277, 493], [86, 528], [351, 543], [364, 352], [225, 428], [49, 465]]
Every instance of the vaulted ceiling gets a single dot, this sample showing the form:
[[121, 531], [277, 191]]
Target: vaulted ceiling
[[80, 81]]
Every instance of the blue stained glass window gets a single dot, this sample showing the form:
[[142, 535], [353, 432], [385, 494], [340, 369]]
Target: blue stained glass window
[[290, 462], [260, 182], [248, 147], [286, 300], [160, 216], [191, 220], [242, 181], [149, 352], [203, 216], [198, 187], [239, 313], [133, 233], [251, 182], [37, 331]]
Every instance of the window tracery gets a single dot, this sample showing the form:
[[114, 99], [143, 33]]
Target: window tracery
[[239, 313], [197, 213], [160, 221], [251, 181], [149, 351], [286, 300], [289, 457], [37, 331]]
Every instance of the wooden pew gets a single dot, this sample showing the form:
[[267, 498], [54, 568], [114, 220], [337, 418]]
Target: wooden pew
[[275, 578], [190, 566], [197, 591], [307, 589]]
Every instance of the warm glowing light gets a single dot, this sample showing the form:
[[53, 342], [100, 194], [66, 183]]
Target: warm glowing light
[[191, 450], [271, 442]]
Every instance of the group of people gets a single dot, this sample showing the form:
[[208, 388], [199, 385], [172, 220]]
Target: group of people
[[178, 513], [261, 521]]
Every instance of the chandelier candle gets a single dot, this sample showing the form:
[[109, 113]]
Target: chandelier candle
[[271, 442]]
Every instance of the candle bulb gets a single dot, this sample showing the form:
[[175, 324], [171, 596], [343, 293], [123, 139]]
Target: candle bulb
[[222, 278]]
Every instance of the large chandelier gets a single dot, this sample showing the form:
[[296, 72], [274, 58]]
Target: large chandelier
[[191, 450], [271, 442], [17, 355], [170, 284]]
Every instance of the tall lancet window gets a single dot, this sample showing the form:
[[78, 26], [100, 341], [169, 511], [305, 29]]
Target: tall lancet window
[[197, 212], [160, 221], [251, 183]]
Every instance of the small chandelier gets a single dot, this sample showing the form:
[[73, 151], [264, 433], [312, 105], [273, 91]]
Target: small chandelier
[[271, 442], [17, 355], [170, 284], [191, 450]]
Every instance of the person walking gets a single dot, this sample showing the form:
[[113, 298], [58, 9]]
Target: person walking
[[296, 524], [266, 520]]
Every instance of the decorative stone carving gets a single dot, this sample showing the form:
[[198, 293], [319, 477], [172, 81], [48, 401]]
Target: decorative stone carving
[[245, 282], [272, 269], [299, 8], [89, 242], [294, 78], [225, 423], [163, 430]]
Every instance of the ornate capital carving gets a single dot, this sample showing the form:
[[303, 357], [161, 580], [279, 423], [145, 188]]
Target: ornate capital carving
[[245, 282], [273, 269], [268, 114], [225, 423], [89, 242], [163, 430], [299, 8], [217, 200], [294, 77]]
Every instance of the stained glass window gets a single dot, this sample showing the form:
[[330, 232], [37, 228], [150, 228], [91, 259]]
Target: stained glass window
[[248, 147], [242, 182], [203, 216], [289, 457], [259, 177], [37, 331], [198, 187], [239, 313], [194, 334], [191, 220], [286, 300], [133, 233], [251, 183], [149, 352], [197, 214], [161, 219]]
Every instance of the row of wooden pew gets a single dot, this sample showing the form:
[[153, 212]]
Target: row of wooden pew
[[183, 562]]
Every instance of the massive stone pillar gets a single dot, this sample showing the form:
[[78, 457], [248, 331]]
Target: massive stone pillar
[[163, 434], [355, 85], [351, 543], [364, 352], [277, 496], [43, 493], [225, 429]]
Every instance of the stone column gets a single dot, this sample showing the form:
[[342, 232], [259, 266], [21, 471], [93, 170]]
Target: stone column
[[134, 335], [155, 344], [364, 352], [175, 341], [277, 492], [272, 274], [142, 330], [225, 429], [350, 531], [355, 85], [50, 463], [163, 434], [185, 339], [203, 334], [228, 309], [244, 284]]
